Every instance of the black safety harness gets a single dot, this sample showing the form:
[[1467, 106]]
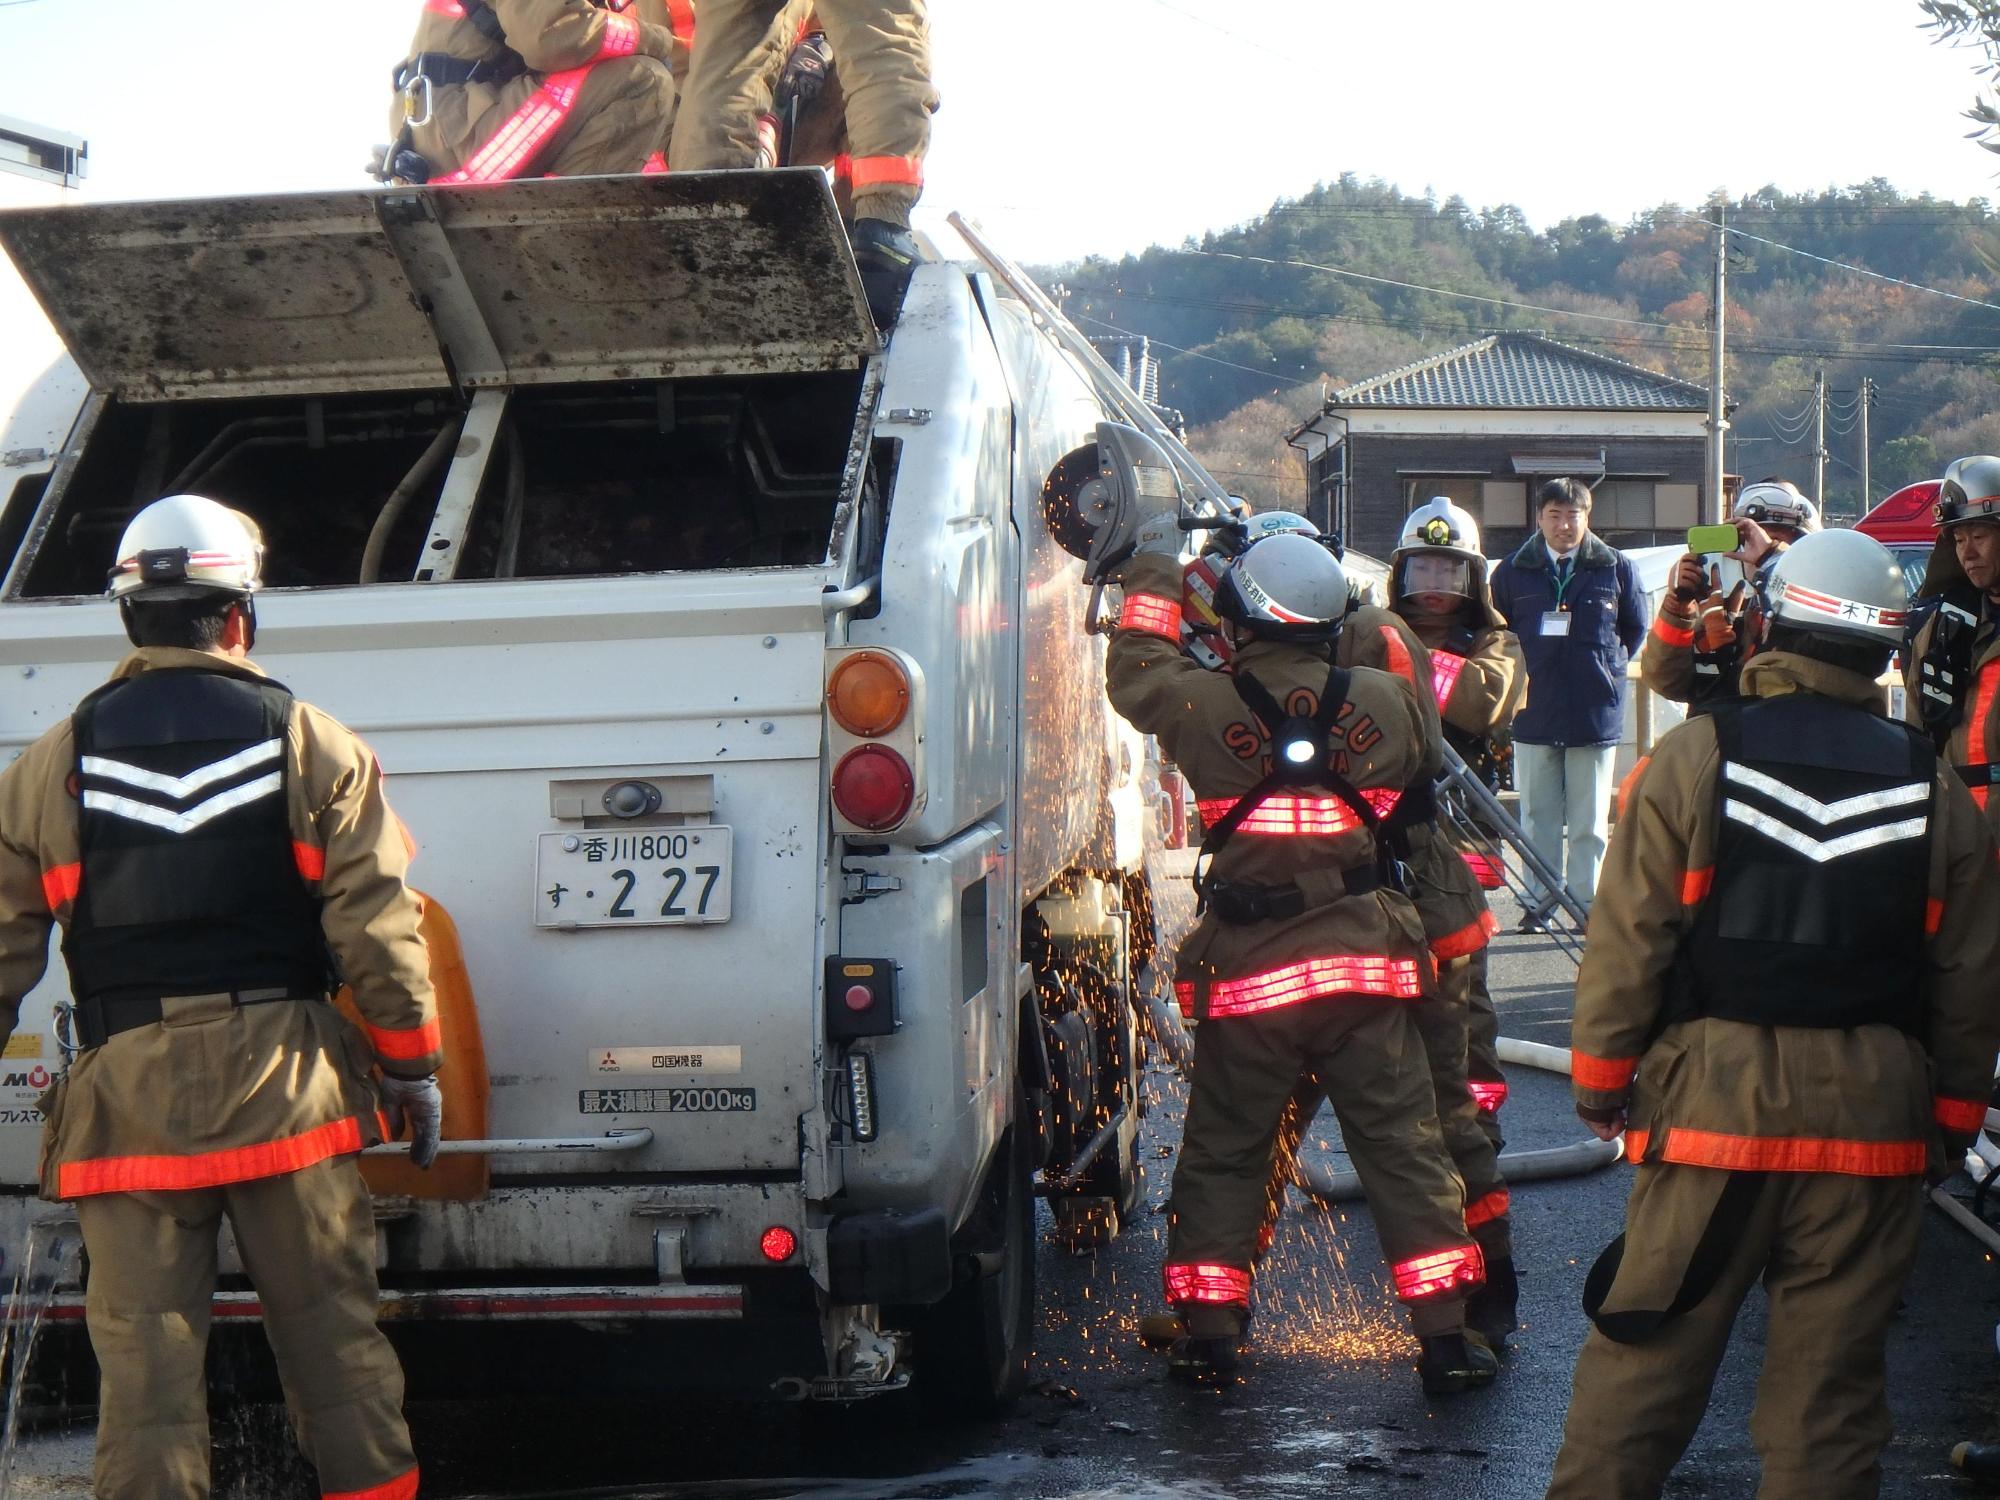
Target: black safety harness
[[1241, 902]]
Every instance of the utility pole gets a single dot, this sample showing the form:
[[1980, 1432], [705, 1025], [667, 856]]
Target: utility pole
[[1718, 407], [1819, 438], [1867, 400]]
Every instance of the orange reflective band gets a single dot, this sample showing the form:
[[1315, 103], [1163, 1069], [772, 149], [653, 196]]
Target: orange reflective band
[[1695, 886], [1445, 669], [1777, 1153], [1285, 815], [61, 884], [680, 19], [1206, 1283], [1671, 634], [1933, 917], [524, 132], [404, 1045], [1635, 1145], [1977, 750], [1151, 613], [450, 8], [1468, 939], [1485, 1210], [1398, 655], [402, 1487], [621, 36], [843, 167], [1437, 1275], [1601, 1075], [655, 165], [1488, 1095], [884, 171], [206, 1169], [1347, 974], [1488, 871], [311, 861], [1960, 1116]]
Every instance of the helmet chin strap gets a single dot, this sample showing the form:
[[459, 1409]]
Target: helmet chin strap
[[125, 619], [248, 605]]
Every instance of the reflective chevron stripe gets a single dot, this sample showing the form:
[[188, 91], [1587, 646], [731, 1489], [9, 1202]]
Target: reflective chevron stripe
[[193, 818], [1824, 812], [181, 787], [1818, 850]]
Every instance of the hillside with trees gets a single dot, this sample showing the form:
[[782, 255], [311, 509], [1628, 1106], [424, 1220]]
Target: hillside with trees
[[1357, 277]]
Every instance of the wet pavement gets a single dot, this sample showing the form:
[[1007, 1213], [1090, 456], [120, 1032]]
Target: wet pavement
[[1328, 1402]]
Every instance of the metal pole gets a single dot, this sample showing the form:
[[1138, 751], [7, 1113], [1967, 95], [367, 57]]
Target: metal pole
[[1867, 400], [1718, 406], [1819, 437]]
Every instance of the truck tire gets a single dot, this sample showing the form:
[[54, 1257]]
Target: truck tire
[[972, 1348]]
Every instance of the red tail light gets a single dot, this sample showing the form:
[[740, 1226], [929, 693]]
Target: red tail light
[[873, 787], [778, 1244]]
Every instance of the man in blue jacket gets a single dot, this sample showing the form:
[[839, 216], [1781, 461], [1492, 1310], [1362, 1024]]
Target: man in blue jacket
[[1576, 604]]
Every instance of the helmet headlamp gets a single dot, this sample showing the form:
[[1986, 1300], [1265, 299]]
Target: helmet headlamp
[[1301, 747]]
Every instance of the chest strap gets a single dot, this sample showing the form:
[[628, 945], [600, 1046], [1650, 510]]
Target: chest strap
[[1984, 773]]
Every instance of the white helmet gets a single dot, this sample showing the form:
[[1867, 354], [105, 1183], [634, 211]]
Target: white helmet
[[1970, 491], [1840, 583], [1440, 525], [1776, 502], [1285, 587], [185, 546]]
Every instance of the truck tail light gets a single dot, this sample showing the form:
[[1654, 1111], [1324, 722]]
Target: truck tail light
[[861, 1096], [778, 1244], [873, 787], [868, 694]]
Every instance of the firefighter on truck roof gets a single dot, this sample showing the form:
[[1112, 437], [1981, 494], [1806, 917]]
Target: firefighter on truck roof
[[1308, 956], [496, 91], [213, 850], [1696, 647], [1786, 1003], [1952, 669]]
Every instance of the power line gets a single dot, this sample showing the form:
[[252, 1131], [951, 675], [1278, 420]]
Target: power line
[[1195, 353], [1915, 286]]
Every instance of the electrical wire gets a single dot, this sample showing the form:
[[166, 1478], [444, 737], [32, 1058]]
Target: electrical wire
[[1181, 348], [1915, 286]]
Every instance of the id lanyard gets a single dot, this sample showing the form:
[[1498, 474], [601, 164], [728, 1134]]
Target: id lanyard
[[1556, 621]]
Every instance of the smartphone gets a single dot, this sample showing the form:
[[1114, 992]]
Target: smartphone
[[1707, 539]]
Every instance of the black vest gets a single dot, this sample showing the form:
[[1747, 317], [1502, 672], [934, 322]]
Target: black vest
[[1822, 871], [190, 884]]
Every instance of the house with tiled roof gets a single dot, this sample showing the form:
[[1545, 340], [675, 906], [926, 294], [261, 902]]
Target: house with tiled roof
[[1487, 422]]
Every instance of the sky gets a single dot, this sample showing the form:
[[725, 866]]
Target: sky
[[1073, 127]]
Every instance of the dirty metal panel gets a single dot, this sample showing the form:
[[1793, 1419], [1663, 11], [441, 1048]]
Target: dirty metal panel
[[227, 296], [635, 278]]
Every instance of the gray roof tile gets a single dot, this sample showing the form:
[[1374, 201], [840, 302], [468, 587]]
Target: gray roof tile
[[1523, 371]]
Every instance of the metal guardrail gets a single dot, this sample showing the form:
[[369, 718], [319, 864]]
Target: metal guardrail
[[1472, 813]]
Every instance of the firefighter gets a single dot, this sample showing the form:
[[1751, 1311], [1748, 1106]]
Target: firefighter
[[537, 88], [1786, 1005], [1307, 955], [1952, 669], [214, 850], [1437, 583], [883, 48], [1694, 650]]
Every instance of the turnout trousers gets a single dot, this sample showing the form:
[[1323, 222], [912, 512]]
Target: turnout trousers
[[1368, 1056], [1833, 1252], [307, 1240], [1482, 1045], [883, 52], [1441, 1023]]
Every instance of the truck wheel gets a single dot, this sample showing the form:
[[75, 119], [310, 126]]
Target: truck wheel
[[972, 1349]]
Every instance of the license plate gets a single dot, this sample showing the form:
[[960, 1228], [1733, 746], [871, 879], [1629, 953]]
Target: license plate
[[670, 877], [696, 1101]]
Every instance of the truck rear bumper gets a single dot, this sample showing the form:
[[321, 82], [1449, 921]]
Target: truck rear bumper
[[522, 1304]]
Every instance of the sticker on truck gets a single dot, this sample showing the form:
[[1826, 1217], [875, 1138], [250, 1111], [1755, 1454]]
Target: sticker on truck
[[666, 1101], [707, 1060], [675, 877]]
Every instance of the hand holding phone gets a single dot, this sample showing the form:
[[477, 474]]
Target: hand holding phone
[[1710, 539]]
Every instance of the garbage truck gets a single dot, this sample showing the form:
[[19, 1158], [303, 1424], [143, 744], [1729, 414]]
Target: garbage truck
[[782, 860]]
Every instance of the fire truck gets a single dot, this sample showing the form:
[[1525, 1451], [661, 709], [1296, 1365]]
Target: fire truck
[[782, 858]]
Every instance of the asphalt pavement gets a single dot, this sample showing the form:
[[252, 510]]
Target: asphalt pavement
[[1328, 1402]]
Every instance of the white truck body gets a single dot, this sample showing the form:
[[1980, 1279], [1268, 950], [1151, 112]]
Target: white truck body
[[710, 482]]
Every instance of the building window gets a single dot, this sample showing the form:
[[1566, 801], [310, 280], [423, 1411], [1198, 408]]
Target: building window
[[1623, 505], [1460, 489], [1677, 506], [1503, 502]]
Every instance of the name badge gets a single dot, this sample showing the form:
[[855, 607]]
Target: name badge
[[1555, 622]]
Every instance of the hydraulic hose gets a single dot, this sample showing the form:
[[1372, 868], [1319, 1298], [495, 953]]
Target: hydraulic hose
[[399, 498]]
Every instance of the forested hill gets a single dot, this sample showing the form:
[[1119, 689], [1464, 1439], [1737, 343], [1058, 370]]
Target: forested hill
[[1258, 339]]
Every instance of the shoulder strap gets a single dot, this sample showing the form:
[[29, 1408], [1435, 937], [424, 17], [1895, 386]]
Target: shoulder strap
[[485, 21]]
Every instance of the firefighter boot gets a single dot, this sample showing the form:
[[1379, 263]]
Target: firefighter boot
[[1161, 1331], [1208, 1350], [1451, 1362], [887, 255], [1491, 1311], [1977, 1460]]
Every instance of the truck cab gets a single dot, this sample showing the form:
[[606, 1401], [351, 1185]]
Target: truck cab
[[782, 855]]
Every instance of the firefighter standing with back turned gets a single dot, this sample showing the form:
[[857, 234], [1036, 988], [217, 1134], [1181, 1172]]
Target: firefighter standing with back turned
[[496, 91], [1307, 956], [1787, 1004], [214, 850]]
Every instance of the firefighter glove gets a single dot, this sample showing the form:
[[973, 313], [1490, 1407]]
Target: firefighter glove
[[418, 1101], [1689, 582], [1161, 534]]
